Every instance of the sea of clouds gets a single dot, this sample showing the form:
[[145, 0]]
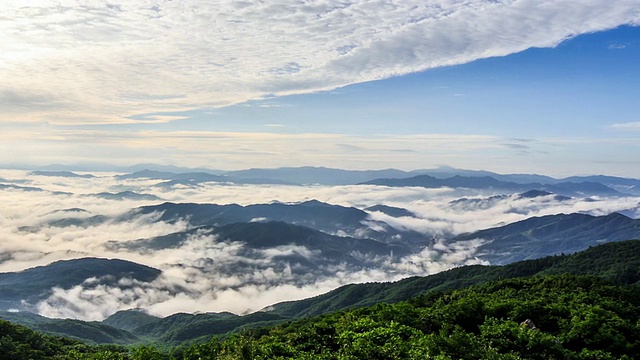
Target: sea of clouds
[[206, 274]]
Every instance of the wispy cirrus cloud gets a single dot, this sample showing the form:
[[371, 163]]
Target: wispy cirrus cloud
[[97, 62], [628, 126], [42, 144], [242, 149]]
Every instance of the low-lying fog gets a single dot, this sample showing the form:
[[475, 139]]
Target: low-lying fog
[[202, 275]]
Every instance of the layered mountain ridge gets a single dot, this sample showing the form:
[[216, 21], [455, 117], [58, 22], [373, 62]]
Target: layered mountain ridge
[[618, 262]]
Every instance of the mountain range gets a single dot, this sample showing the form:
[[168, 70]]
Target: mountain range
[[316, 237], [61, 174], [437, 177], [489, 183], [245, 256], [300, 249], [551, 235], [618, 262], [281, 223], [331, 219], [434, 178]]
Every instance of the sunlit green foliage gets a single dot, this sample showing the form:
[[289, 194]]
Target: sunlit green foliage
[[18, 342], [535, 317], [570, 318]]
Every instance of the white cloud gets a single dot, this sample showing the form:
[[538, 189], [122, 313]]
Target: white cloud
[[629, 126], [237, 150], [205, 273], [98, 62]]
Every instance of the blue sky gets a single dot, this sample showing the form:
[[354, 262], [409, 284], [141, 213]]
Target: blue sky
[[512, 86], [579, 88]]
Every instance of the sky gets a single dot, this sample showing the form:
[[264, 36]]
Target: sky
[[517, 86]]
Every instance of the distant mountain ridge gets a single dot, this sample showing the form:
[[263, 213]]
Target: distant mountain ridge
[[316, 175], [194, 178], [332, 176], [551, 235], [305, 175], [490, 183], [166, 175], [125, 195], [67, 174], [390, 210], [30, 189]]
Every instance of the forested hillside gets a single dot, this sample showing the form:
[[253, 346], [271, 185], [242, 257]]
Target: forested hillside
[[550, 317], [542, 317], [616, 262], [18, 342], [527, 310]]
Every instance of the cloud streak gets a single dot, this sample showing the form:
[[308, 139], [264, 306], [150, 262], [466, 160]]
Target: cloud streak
[[630, 126], [97, 62]]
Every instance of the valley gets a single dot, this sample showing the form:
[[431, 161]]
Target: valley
[[164, 258]]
